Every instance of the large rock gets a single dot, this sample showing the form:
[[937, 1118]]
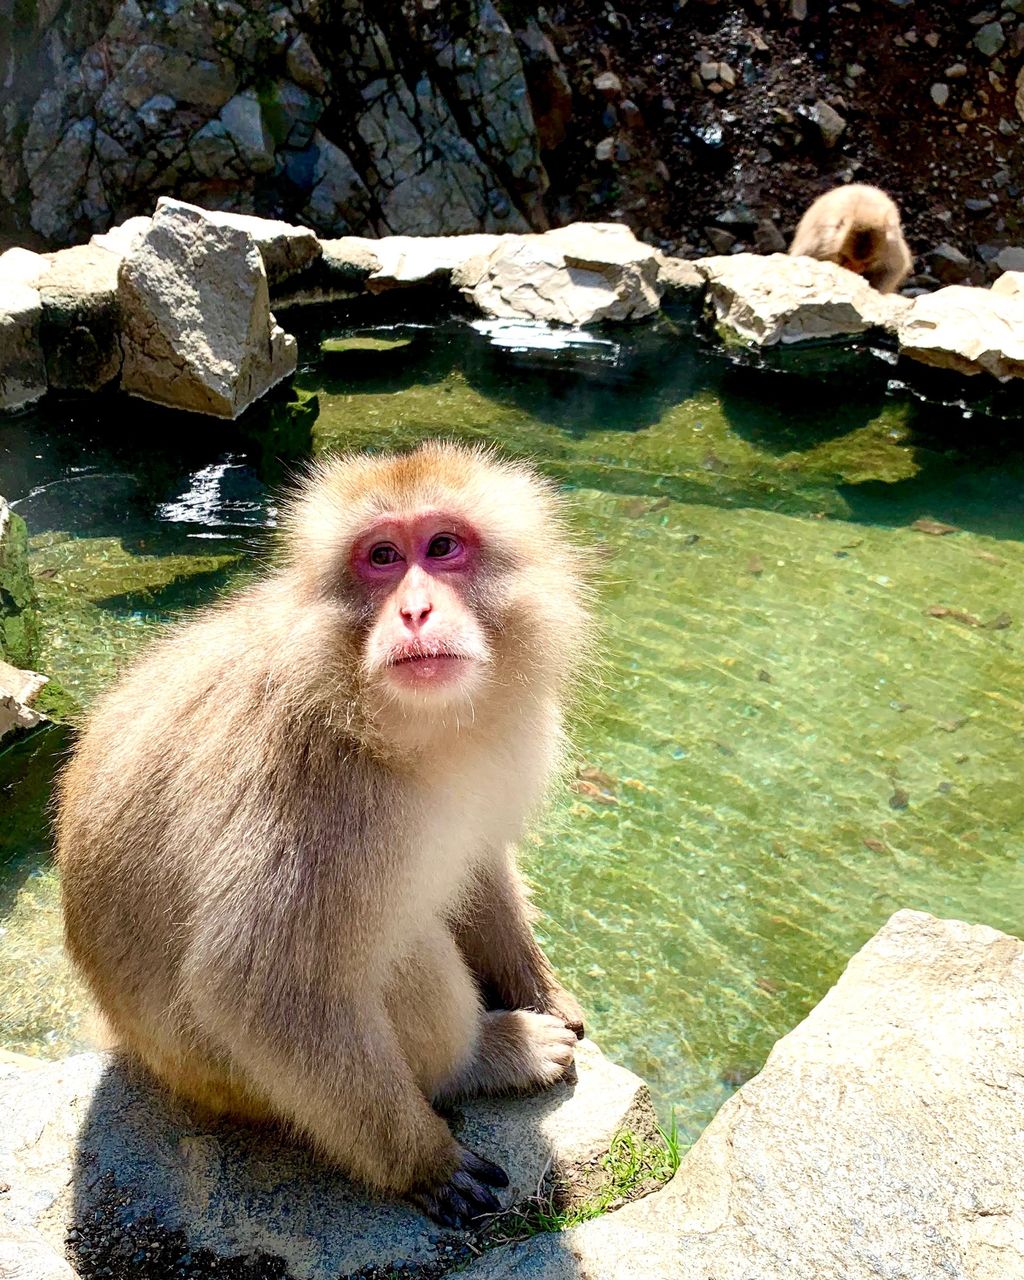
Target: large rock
[[969, 330], [197, 329], [90, 1145], [22, 367], [767, 300], [882, 1138], [577, 275], [407, 261], [79, 327]]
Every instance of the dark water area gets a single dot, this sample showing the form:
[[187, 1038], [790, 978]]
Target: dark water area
[[809, 710]]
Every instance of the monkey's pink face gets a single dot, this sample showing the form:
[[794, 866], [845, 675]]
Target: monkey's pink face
[[418, 573]]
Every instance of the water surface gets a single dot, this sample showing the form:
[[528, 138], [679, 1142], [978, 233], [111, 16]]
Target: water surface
[[790, 738]]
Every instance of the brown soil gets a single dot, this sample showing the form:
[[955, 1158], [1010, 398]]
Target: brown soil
[[689, 157]]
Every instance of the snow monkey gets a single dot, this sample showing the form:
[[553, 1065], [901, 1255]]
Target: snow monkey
[[859, 228], [286, 834]]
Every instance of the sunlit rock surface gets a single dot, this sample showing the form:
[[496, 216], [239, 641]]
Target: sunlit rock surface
[[882, 1138], [197, 329], [581, 274], [91, 1146], [969, 330], [765, 300]]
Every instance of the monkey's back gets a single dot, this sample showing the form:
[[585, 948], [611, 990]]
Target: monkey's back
[[193, 774]]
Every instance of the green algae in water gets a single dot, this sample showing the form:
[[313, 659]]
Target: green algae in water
[[788, 740]]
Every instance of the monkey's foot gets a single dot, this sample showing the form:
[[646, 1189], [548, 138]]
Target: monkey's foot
[[521, 1050], [560, 1004], [466, 1195]]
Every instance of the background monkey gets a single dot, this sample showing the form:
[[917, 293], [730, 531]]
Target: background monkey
[[285, 834], [859, 228]]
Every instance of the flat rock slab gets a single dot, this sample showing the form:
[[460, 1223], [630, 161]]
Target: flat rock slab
[[91, 1145], [196, 325], [882, 1140], [577, 275], [969, 330], [765, 300]]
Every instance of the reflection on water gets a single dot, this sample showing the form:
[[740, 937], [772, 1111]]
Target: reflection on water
[[809, 711]]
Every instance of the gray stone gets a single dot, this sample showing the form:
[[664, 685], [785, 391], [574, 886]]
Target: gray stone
[[778, 298], [989, 39], [679, 280], [831, 124], [768, 237], [720, 240], [947, 264], [577, 275], [79, 328], [285, 249], [1008, 259], [939, 93], [197, 330], [304, 66], [291, 114], [22, 367], [881, 1141], [969, 330], [242, 118], [91, 1136]]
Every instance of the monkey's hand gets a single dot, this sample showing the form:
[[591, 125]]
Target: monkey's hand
[[560, 1004], [465, 1195]]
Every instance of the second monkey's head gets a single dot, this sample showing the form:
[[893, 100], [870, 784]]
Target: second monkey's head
[[448, 577]]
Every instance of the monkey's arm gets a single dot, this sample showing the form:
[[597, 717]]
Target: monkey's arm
[[494, 935]]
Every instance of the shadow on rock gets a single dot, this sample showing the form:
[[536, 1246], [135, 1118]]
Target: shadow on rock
[[158, 1191]]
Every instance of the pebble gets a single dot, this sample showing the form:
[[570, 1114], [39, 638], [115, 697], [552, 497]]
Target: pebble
[[708, 71], [605, 149], [990, 39], [956, 71], [726, 75], [608, 83], [940, 94]]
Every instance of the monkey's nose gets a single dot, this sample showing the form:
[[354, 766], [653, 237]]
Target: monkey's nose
[[416, 613]]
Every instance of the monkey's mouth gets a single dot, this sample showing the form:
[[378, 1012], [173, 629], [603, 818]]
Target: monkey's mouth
[[427, 666]]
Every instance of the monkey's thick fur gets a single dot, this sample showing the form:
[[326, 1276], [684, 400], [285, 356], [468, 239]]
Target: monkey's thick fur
[[858, 227], [288, 890]]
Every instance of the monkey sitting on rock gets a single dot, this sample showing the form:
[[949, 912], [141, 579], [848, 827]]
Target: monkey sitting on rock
[[285, 837], [858, 227]]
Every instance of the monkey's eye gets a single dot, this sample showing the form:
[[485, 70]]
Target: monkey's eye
[[443, 545], [384, 554]]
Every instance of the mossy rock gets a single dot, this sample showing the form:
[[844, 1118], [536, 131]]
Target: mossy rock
[[19, 620]]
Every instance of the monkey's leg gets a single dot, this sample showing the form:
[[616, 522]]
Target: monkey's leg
[[340, 1078], [517, 1051], [453, 1048], [494, 935]]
